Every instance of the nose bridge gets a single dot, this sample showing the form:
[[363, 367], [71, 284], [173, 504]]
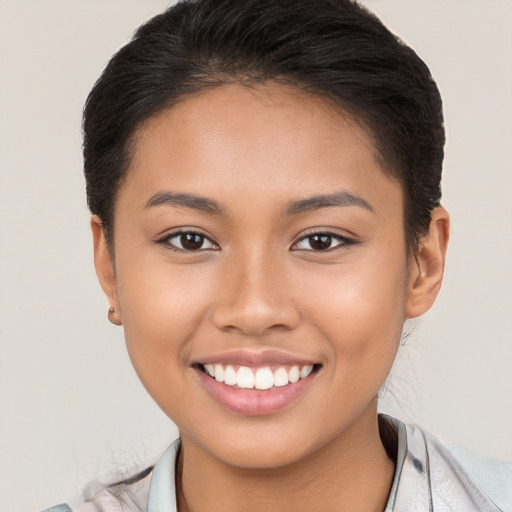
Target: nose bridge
[[255, 297]]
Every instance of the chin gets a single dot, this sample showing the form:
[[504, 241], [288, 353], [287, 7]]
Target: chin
[[262, 456], [258, 447]]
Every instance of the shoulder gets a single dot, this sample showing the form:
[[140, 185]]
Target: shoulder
[[458, 477], [490, 476], [150, 490], [434, 476], [128, 495]]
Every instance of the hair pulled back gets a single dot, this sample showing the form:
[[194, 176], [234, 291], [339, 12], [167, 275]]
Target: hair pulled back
[[334, 48]]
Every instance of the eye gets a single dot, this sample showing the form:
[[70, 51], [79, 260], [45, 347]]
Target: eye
[[321, 242], [189, 241]]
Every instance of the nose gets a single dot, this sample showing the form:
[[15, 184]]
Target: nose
[[255, 298]]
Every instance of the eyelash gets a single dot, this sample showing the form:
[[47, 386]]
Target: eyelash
[[344, 241], [176, 234]]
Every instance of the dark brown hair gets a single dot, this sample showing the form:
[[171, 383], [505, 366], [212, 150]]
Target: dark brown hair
[[334, 48]]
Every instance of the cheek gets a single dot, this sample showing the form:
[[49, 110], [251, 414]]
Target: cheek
[[360, 308], [162, 307], [157, 294]]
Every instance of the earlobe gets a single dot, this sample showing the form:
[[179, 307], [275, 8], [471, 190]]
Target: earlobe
[[105, 271], [427, 265]]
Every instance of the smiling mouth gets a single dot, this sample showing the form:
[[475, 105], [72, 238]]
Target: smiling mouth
[[261, 378]]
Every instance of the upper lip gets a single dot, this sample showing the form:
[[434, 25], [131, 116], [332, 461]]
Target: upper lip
[[247, 358]]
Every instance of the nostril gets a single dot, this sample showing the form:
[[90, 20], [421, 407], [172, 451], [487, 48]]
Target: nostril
[[256, 321]]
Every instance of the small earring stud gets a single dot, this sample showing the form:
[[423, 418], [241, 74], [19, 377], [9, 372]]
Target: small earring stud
[[113, 317]]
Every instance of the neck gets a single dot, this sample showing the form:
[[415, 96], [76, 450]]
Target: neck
[[352, 472]]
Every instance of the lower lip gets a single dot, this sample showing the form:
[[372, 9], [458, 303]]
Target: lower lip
[[254, 402]]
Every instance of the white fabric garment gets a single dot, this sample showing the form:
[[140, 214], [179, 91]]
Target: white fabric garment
[[430, 476]]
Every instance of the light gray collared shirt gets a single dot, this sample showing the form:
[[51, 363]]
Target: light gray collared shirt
[[430, 476]]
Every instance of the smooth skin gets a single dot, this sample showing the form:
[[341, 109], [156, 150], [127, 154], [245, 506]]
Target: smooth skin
[[256, 279]]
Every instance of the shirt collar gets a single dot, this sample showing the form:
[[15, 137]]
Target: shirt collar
[[411, 490], [162, 491]]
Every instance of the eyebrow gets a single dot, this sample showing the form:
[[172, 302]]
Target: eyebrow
[[204, 204], [183, 200], [340, 198]]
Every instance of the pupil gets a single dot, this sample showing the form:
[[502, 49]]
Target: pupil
[[191, 241], [320, 242]]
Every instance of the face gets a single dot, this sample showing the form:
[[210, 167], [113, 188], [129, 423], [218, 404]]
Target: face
[[261, 272]]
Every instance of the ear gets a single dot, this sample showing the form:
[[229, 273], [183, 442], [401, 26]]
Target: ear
[[105, 270], [427, 265]]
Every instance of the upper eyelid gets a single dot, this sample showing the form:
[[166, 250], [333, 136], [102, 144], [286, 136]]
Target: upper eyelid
[[330, 232], [184, 230]]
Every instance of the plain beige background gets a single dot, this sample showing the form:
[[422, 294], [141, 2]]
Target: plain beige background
[[71, 407]]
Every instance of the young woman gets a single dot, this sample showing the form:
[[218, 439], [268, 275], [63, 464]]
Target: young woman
[[264, 179]]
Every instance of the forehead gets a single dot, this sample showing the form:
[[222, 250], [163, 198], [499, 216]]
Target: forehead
[[267, 140]]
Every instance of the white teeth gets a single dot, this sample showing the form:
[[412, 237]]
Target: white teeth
[[305, 371], [230, 376], [263, 379], [294, 374], [210, 370], [281, 377], [219, 373], [245, 378]]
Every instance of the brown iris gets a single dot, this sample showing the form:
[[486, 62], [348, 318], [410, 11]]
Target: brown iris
[[320, 242], [191, 241]]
